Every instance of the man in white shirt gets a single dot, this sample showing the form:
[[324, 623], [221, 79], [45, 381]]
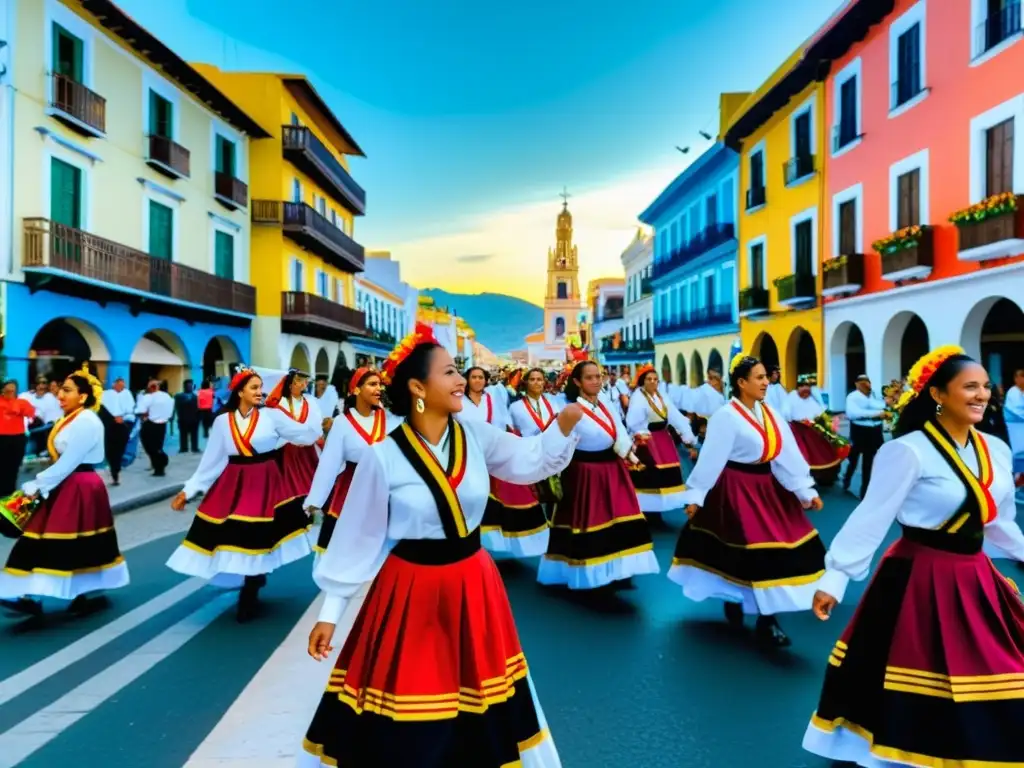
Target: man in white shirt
[[156, 407], [1013, 414], [866, 413], [47, 412], [121, 405]]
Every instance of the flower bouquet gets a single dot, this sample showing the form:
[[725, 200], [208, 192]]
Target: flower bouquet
[[15, 512], [902, 239], [826, 426]]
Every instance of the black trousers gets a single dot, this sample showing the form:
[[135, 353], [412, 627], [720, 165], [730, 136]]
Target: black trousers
[[116, 441], [12, 453], [152, 438], [188, 434], [206, 419], [864, 441]]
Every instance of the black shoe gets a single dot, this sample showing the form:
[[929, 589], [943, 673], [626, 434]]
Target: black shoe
[[770, 634], [734, 614], [249, 598], [84, 605], [26, 606]]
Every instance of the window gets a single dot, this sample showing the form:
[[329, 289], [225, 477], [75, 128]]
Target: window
[[321, 206], [1002, 20], [161, 116], [694, 295], [67, 54], [297, 277], [295, 120], [908, 65], [322, 284], [562, 290], [334, 217], [161, 231], [711, 211], [709, 291], [224, 255], [848, 227], [296, 191], [999, 158], [847, 112], [225, 158], [908, 197], [803, 232], [559, 327], [65, 194], [802, 134], [338, 291], [757, 170], [757, 265]]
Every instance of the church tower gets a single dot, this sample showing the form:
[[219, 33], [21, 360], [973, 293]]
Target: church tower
[[562, 300]]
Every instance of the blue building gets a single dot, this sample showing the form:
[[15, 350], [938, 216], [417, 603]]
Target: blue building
[[696, 320]]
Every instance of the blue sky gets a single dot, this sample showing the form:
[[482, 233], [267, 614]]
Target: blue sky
[[474, 115]]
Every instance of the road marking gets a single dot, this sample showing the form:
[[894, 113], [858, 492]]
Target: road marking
[[34, 732], [17, 684]]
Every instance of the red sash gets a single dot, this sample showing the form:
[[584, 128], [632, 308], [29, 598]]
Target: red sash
[[377, 432], [303, 414], [537, 417], [243, 440], [769, 432], [609, 425]]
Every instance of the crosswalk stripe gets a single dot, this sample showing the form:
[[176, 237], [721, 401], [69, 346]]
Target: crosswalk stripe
[[36, 731], [17, 684]]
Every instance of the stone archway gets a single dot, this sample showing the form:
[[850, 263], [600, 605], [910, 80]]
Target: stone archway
[[680, 370], [715, 363], [220, 354], [696, 370], [161, 355], [904, 341], [801, 356], [666, 369], [765, 350], [323, 363], [993, 333], [847, 359], [300, 358], [62, 345]]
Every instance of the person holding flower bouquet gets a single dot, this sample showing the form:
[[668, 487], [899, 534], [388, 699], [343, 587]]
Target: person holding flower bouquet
[[68, 547], [819, 442]]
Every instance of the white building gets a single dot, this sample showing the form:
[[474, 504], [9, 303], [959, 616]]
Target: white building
[[389, 303], [634, 346], [605, 298]]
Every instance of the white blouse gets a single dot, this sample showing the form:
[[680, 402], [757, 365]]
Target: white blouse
[[640, 416], [490, 405], [593, 437], [294, 406], [914, 485], [546, 409], [776, 397], [802, 408], [344, 444], [273, 428], [79, 442], [706, 400], [730, 437], [388, 500]]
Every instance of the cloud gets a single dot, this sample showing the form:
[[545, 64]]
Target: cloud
[[513, 242]]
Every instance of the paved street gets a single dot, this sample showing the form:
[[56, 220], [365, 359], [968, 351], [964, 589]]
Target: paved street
[[166, 678]]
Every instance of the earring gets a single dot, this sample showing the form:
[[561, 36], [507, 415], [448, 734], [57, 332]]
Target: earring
[[420, 405], [938, 409]]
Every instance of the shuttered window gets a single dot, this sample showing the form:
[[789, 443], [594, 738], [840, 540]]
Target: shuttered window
[[757, 171], [67, 54], [161, 231], [908, 60], [804, 256], [848, 111], [65, 194], [757, 266], [999, 158], [711, 203], [161, 116], [225, 156], [224, 255], [908, 190], [848, 227]]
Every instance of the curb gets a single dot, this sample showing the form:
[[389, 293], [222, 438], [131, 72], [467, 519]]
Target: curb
[[145, 499]]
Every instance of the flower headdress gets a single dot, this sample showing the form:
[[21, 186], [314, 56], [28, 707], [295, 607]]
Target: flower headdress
[[360, 373], [644, 370], [423, 334], [805, 380], [243, 373], [923, 370], [515, 378], [736, 360], [94, 385]]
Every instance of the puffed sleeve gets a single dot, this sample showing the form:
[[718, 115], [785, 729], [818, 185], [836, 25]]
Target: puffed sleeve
[[358, 545], [636, 415], [214, 460], [896, 470], [82, 435], [1003, 537], [790, 467], [292, 431], [680, 423], [523, 460], [332, 459]]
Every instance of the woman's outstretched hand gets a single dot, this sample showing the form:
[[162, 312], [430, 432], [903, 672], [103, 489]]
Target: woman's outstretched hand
[[320, 640], [178, 502], [691, 510], [816, 504], [823, 605], [569, 417]]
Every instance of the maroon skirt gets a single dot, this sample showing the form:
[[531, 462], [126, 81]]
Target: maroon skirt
[[817, 450], [337, 501], [752, 531], [662, 472], [930, 670], [72, 531], [599, 517], [513, 511], [298, 465]]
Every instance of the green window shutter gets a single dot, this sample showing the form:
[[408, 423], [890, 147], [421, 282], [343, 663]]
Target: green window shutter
[[219, 152], [161, 231], [154, 120], [68, 53], [225, 156], [224, 255], [161, 116], [65, 194]]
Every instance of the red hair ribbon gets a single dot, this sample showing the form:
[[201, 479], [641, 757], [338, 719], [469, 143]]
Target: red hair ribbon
[[423, 334], [353, 383], [241, 375]]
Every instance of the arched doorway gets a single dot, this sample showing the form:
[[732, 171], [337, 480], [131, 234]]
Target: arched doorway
[[715, 362], [323, 363], [848, 358], [61, 346], [696, 370], [801, 356], [218, 357], [765, 350], [300, 358], [904, 342], [341, 374], [666, 370], [680, 370], [1002, 342], [158, 355]]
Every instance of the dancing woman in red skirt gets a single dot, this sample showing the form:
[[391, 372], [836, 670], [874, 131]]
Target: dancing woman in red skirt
[[68, 547], [930, 671], [298, 460], [749, 541], [823, 449], [599, 536], [242, 527], [659, 485], [362, 423], [432, 674], [514, 521]]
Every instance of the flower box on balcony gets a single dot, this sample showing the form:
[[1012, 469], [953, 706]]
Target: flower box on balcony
[[753, 301], [906, 254], [843, 275], [991, 229], [798, 288]]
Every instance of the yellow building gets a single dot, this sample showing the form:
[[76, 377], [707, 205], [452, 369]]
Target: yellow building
[[780, 135], [304, 202], [452, 332], [123, 251]]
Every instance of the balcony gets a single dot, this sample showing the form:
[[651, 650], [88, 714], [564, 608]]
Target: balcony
[[753, 301], [997, 28], [798, 168], [907, 254], [756, 197], [709, 238], [997, 235], [308, 314], [374, 342], [305, 151], [168, 158], [77, 107], [93, 266], [636, 348], [843, 275], [796, 289], [843, 135], [230, 192], [303, 225], [704, 317]]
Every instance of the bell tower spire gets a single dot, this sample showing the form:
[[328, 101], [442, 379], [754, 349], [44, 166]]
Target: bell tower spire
[[562, 299]]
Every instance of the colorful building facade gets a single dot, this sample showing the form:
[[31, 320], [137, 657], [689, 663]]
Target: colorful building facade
[[452, 332], [633, 345], [926, 114], [605, 303], [304, 204], [122, 251]]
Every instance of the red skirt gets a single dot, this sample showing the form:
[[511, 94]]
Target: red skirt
[[432, 673], [930, 670], [662, 473], [337, 501], [298, 465], [817, 450], [752, 531], [71, 533]]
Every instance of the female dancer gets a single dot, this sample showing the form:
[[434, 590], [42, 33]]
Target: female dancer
[[531, 415], [242, 527], [660, 484], [930, 671], [748, 541], [298, 460], [363, 423], [432, 673], [68, 547], [514, 521], [821, 446], [598, 533]]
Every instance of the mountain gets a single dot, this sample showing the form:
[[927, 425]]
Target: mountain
[[500, 321]]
